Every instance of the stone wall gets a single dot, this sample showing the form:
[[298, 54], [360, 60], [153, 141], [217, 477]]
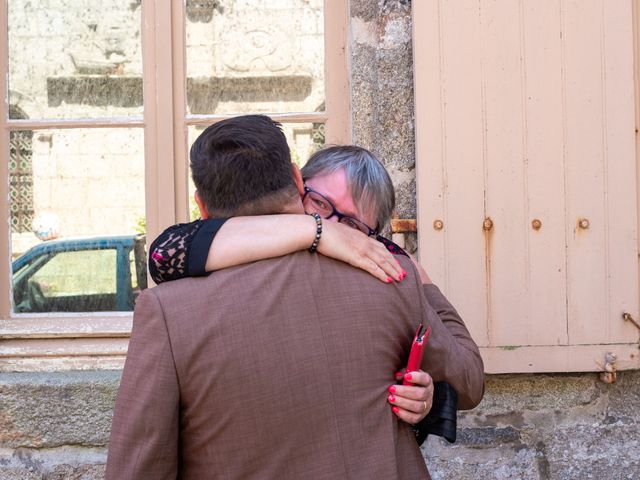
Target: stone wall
[[571, 426], [563, 426], [55, 426]]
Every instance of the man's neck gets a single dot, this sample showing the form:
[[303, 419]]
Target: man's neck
[[293, 207]]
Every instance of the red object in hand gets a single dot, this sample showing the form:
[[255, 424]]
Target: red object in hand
[[417, 350]]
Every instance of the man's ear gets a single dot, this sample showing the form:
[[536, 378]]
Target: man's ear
[[297, 178], [204, 214]]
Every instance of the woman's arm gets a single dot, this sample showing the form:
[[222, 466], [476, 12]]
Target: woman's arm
[[192, 249], [454, 356], [170, 252]]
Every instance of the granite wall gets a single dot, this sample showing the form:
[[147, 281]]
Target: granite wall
[[571, 426]]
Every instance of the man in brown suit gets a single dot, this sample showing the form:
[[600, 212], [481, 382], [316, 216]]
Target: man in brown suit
[[278, 368]]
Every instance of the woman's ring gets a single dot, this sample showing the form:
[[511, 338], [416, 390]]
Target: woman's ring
[[425, 406]]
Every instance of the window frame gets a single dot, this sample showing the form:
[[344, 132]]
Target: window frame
[[85, 340]]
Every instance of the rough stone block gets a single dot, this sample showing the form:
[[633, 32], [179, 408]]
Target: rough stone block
[[624, 398], [507, 394], [54, 463], [488, 436], [595, 451], [467, 463], [52, 409], [84, 472], [18, 474], [364, 9]]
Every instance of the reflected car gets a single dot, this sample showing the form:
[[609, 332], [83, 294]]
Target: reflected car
[[96, 274]]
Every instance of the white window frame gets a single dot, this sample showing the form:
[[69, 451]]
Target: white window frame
[[88, 341]]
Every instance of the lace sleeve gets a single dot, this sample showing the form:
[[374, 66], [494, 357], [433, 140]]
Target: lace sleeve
[[182, 250], [392, 247], [168, 254]]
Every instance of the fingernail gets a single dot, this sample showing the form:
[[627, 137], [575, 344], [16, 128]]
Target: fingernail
[[407, 376], [399, 278], [404, 273], [399, 375], [395, 409], [392, 389], [389, 279], [392, 398]]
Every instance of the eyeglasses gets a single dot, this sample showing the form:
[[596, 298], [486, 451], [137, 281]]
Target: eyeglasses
[[315, 202]]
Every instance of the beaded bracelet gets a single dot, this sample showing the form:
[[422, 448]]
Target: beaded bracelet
[[316, 240]]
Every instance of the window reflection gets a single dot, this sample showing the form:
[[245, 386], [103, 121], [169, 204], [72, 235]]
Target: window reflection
[[82, 249], [255, 56]]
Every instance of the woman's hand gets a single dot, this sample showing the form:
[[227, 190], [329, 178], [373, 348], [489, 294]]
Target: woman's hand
[[412, 403], [355, 248]]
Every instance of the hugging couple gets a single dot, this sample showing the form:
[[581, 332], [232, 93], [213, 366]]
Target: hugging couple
[[284, 363]]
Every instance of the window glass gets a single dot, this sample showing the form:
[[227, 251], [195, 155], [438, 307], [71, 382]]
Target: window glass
[[303, 139], [77, 189], [68, 281], [255, 56], [75, 59]]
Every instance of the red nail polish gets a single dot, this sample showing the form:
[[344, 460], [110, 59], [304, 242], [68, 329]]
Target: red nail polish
[[392, 399], [392, 389], [389, 279], [395, 409], [407, 376], [404, 273]]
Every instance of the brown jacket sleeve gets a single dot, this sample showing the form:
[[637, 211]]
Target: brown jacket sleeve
[[144, 432], [451, 354]]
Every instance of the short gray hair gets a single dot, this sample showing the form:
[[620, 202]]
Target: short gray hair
[[369, 183]]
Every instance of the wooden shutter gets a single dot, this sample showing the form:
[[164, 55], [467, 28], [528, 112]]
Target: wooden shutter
[[525, 125]]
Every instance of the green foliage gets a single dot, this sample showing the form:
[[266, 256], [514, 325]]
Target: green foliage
[[140, 226]]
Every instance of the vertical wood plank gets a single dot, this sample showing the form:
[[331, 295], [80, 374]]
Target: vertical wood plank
[[506, 241], [620, 164], [584, 159], [636, 76], [462, 162], [544, 169], [430, 181]]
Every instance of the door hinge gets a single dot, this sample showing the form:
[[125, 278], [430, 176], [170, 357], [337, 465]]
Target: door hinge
[[626, 316]]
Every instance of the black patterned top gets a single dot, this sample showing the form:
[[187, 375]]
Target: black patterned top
[[181, 250]]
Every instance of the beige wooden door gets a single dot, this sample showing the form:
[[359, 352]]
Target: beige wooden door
[[526, 153]]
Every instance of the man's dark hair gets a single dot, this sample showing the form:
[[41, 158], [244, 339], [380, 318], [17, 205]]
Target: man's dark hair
[[242, 166]]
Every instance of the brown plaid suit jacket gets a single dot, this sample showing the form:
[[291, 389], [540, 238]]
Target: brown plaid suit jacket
[[280, 369]]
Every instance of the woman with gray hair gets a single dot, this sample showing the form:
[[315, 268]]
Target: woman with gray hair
[[350, 188], [369, 184]]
